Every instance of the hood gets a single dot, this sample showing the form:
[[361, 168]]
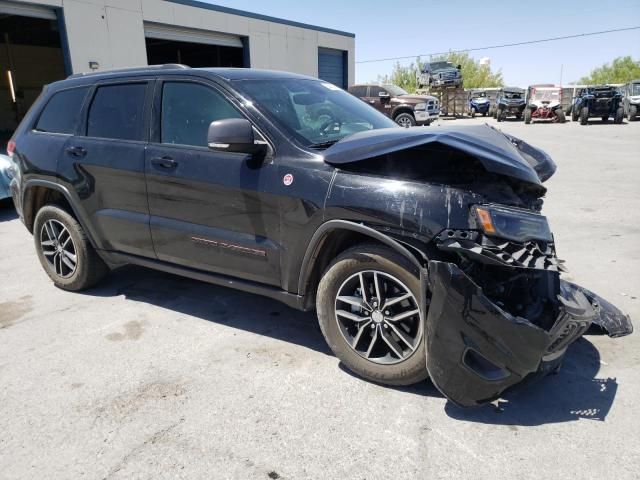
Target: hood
[[414, 98], [497, 152]]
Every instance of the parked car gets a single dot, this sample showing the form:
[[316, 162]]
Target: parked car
[[544, 102], [631, 100], [440, 74], [423, 251], [602, 101], [478, 103], [405, 109], [509, 102], [5, 176]]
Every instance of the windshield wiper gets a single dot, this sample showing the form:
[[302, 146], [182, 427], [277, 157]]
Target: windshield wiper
[[323, 145]]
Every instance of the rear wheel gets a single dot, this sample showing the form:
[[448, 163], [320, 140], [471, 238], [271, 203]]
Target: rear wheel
[[584, 115], [405, 120], [527, 116], [560, 118], [65, 251], [369, 313], [619, 115], [633, 111]]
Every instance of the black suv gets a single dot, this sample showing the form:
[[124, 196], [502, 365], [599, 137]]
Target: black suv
[[423, 250]]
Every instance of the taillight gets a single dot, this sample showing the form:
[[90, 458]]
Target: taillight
[[11, 146]]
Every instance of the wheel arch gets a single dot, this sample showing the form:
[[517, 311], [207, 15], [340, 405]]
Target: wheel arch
[[342, 234], [38, 193], [402, 109]]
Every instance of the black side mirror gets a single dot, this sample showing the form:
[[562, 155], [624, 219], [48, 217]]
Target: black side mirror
[[234, 135]]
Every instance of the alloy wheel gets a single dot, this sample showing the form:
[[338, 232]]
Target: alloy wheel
[[378, 317], [58, 248], [404, 122]]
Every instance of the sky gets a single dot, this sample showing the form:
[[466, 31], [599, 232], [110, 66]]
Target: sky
[[393, 29]]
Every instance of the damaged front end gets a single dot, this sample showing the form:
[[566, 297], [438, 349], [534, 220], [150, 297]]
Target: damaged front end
[[499, 311], [468, 199]]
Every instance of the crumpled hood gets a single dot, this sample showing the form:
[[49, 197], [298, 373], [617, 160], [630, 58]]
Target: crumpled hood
[[499, 153]]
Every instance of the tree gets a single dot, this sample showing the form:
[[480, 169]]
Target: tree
[[474, 75], [621, 70]]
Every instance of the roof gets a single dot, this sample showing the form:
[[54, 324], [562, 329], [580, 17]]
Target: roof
[[251, 74], [258, 16]]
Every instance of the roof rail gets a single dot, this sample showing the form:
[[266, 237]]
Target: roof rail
[[166, 66]]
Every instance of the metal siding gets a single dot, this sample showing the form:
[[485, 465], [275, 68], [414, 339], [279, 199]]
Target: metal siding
[[331, 66]]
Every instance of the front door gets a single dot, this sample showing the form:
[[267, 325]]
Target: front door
[[209, 209], [382, 104]]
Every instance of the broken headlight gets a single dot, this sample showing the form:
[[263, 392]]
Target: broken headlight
[[512, 223]]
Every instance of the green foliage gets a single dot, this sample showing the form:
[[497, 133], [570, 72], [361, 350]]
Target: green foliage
[[474, 75], [621, 70]]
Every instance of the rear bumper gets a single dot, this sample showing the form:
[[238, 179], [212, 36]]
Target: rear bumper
[[476, 350]]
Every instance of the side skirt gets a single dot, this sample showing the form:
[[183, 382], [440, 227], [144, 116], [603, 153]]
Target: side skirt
[[115, 260]]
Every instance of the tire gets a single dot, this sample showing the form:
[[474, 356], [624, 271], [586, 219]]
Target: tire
[[527, 116], [633, 111], [88, 269], [472, 114], [619, 115], [499, 115], [584, 115], [560, 118], [574, 115], [340, 278], [405, 120]]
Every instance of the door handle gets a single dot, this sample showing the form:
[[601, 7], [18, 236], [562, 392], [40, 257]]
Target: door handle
[[77, 151], [372, 102], [164, 162]]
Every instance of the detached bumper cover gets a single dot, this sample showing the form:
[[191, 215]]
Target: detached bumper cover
[[476, 350]]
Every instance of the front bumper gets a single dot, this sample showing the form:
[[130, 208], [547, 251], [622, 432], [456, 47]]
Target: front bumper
[[476, 350], [426, 116]]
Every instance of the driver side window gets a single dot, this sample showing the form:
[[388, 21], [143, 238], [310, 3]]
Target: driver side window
[[375, 91], [187, 111]]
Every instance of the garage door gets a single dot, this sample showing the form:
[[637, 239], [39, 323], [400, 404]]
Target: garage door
[[331, 66], [177, 34]]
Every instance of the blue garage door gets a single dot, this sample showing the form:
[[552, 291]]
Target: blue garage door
[[332, 66]]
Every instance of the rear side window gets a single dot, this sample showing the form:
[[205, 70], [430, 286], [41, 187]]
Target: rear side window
[[117, 112], [187, 111], [62, 112], [359, 91]]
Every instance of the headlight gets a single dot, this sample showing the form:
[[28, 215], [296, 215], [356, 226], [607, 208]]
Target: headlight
[[420, 106], [512, 224]]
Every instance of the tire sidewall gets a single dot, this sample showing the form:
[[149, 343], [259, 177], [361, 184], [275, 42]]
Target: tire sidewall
[[412, 120], [81, 274], [409, 371]]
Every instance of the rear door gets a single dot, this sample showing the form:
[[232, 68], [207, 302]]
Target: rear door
[[104, 165], [209, 209]]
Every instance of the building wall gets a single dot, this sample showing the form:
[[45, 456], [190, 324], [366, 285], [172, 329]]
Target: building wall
[[111, 32]]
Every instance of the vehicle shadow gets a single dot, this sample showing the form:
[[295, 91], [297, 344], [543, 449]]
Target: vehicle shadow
[[252, 313], [7, 210], [572, 394]]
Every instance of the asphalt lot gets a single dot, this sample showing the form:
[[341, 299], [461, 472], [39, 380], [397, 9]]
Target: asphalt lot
[[155, 376]]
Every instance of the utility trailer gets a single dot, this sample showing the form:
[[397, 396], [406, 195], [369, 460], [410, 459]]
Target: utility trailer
[[454, 101]]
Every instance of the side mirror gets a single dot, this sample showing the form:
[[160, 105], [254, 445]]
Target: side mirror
[[234, 135], [384, 96]]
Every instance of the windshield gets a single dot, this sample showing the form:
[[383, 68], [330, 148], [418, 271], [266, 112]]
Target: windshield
[[314, 112], [512, 95], [478, 95], [546, 95], [439, 65], [395, 91], [635, 89]]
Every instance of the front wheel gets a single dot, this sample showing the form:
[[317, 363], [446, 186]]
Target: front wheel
[[575, 114], [633, 111], [472, 113], [619, 115], [65, 251], [560, 118], [527, 116], [584, 115], [405, 120], [369, 314], [499, 115]]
